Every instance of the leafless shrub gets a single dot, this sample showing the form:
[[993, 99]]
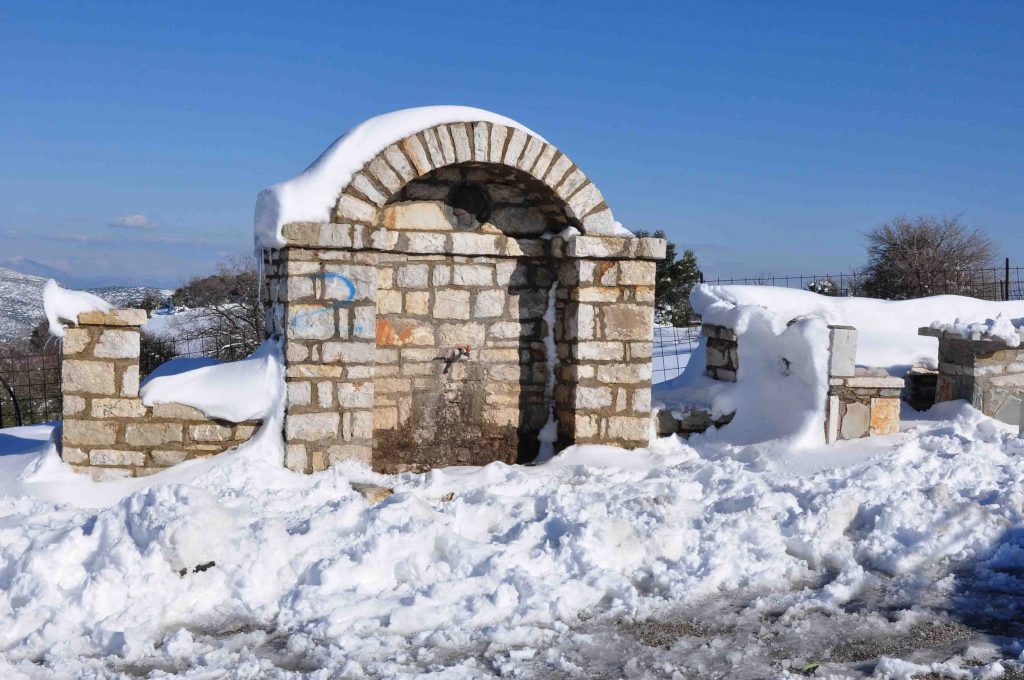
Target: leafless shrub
[[911, 258]]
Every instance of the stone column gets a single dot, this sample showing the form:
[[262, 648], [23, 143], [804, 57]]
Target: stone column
[[861, 403], [604, 346], [722, 353], [326, 312], [100, 386]]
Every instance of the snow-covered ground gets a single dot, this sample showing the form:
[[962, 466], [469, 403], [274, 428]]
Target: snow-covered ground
[[893, 557]]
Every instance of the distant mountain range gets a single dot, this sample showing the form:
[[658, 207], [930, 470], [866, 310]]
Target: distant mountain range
[[21, 301]]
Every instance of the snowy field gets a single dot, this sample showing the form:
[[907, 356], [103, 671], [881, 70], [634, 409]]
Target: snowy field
[[896, 557]]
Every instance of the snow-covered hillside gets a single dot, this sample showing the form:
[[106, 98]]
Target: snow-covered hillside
[[21, 301]]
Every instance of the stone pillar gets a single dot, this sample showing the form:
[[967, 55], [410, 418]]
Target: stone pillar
[[722, 356], [983, 371], [100, 386], [604, 349], [861, 403], [326, 312]]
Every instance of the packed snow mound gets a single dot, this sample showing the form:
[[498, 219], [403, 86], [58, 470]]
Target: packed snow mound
[[60, 304], [1001, 328], [886, 330], [780, 391], [310, 196], [250, 389], [513, 565]]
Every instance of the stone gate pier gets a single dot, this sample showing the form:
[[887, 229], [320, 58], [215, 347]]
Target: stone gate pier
[[467, 298]]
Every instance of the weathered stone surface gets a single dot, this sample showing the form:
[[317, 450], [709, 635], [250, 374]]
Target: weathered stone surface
[[89, 432], [311, 426], [856, 421], [842, 351], [209, 432], [75, 340], [177, 412], [451, 304], [885, 416], [115, 317], [628, 322], [115, 344], [87, 377], [117, 408], [116, 457], [152, 434], [167, 458]]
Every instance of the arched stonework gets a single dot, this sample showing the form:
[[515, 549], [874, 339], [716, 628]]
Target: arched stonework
[[390, 170], [442, 313]]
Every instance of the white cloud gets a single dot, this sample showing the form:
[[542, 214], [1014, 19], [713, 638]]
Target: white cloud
[[137, 221]]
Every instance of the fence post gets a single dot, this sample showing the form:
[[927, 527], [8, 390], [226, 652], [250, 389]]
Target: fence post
[[1006, 294]]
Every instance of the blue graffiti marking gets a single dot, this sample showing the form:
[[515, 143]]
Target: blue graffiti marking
[[338, 277], [304, 319]]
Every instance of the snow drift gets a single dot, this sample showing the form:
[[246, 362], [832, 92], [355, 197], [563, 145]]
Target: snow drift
[[782, 383]]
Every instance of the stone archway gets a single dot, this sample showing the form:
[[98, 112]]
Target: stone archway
[[416, 320]]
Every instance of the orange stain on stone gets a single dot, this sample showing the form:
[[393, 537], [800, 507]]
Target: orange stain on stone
[[389, 333]]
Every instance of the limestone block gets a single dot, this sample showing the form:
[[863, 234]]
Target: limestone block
[[624, 373], [842, 351], [628, 322], [362, 424], [367, 188], [412, 276], [389, 302], [177, 412], [451, 304], [301, 232], [349, 282], [118, 408], [334, 235], [73, 405], [103, 474], [636, 273], [516, 144], [424, 215], [167, 458], [593, 397], [209, 432], [530, 153], [450, 334], [543, 164], [642, 400], [130, 381], [600, 222], [600, 351], [856, 421], [311, 426], [629, 428], [347, 353], [489, 303], [481, 141], [115, 317], [442, 275], [356, 209], [507, 330], [498, 135], [75, 340], [585, 199], [597, 294], [398, 160], [355, 394], [472, 275], [417, 302], [89, 432], [474, 244], [401, 332], [422, 242], [557, 170], [385, 418], [311, 322], [74, 456], [460, 138], [649, 248], [115, 457], [885, 416], [152, 434], [89, 377]]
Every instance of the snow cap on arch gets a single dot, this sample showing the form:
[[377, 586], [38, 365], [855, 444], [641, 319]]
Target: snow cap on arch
[[392, 145]]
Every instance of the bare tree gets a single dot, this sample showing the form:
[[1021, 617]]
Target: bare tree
[[910, 258], [226, 305]]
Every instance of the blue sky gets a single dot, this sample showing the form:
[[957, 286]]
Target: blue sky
[[135, 136]]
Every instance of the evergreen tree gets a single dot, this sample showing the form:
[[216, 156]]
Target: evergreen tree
[[675, 278]]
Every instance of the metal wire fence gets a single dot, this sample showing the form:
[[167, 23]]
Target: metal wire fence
[[188, 345], [29, 385], [672, 349], [994, 283]]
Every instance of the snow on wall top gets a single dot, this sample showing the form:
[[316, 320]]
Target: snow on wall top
[[61, 304], [1002, 328], [886, 330], [309, 196]]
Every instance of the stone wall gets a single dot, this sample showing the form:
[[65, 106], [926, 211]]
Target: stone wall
[[408, 351], [861, 402], [107, 432], [985, 372], [722, 352]]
